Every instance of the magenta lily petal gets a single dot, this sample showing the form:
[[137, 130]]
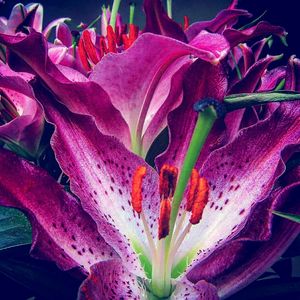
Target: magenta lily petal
[[111, 280], [292, 81], [271, 79], [252, 76], [227, 17], [26, 129], [158, 22], [133, 89], [54, 24], [202, 290], [224, 217], [63, 33], [153, 126], [37, 19], [185, 116], [30, 15], [263, 28], [106, 198], [221, 268], [80, 97], [57, 53], [248, 84], [15, 19], [62, 231]]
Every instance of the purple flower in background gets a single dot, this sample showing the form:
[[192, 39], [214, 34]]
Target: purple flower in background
[[21, 116]]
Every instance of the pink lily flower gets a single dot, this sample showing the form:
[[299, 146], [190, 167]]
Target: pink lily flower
[[117, 231]]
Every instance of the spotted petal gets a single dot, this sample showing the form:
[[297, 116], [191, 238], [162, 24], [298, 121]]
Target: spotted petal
[[111, 280], [222, 269], [62, 231], [202, 290], [100, 171], [235, 191]]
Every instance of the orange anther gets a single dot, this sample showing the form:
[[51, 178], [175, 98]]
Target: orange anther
[[192, 192], [136, 192], [200, 201], [164, 218], [167, 181]]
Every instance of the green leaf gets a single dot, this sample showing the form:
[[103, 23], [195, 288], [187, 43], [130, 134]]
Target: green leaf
[[291, 217], [15, 230], [238, 101]]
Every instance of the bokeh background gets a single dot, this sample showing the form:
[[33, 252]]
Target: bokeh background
[[24, 278]]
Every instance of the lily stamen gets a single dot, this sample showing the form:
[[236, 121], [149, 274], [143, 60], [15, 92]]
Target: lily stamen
[[167, 181], [137, 204], [87, 51], [164, 218], [197, 198]]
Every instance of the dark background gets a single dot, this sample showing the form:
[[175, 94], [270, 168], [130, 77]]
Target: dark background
[[22, 277]]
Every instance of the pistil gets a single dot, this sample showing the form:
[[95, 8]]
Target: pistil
[[171, 194]]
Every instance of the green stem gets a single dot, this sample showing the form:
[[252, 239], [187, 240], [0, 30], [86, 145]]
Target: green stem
[[237, 101], [131, 13], [169, 8], [203, 127], [114, 12]]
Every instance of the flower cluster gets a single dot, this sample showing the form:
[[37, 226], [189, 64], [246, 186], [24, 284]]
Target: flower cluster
[[180, 229]]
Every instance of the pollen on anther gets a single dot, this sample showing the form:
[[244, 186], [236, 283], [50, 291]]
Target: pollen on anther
[[194, 181], [200, 201], [136, 192], [164, 218], [167, 181]]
